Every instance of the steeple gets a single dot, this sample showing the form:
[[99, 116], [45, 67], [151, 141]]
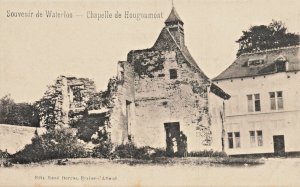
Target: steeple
[[175, 26], [173, 18]]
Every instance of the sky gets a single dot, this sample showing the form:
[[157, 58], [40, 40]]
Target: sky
[[35, 51]]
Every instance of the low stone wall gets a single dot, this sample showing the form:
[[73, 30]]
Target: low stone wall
[[14, 138]]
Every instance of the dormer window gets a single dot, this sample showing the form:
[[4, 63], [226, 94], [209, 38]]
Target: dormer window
[[255, 61], [281, 64]]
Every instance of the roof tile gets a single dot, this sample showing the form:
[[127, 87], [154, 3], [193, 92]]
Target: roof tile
[[239, 67]]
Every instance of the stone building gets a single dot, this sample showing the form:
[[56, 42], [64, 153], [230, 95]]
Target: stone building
[[262, 115], [161, 95]]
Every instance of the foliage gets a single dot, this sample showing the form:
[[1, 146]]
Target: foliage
[[103, 99], [54, 144], [6, 164], [125, 150], [207, 153], [53, 108], [195, 161], [198, 88], [129, 150], [6, 104], [146, 66], [103, 149], [17, 113], [88, 125], [238, 161], [263, 37], [46, 106]]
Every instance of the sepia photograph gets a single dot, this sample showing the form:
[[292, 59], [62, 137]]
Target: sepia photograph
[[149, 93]]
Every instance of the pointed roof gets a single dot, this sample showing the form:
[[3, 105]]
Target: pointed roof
[[173, 17], [182, 49]]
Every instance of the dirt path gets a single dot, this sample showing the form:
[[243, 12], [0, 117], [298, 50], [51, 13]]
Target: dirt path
[[275, 172]]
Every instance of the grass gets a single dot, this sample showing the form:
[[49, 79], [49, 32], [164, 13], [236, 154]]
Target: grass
[[196, 161], [158, 161]]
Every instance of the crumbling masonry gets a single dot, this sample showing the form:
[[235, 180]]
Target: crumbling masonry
[[65, 101], [160, 98], [161, 92]]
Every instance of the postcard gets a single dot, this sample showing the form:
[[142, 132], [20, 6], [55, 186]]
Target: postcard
[[149, 93]]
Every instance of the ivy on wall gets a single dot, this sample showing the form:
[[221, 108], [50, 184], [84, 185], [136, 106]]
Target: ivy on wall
[[103, 99], [145, 64], [50, 107], [197, 88]]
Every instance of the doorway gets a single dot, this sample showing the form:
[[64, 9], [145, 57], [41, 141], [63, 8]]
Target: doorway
[[128, 118], [172, 138], [279, 147]]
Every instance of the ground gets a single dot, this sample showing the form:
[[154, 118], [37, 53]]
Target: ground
[[180, 172]]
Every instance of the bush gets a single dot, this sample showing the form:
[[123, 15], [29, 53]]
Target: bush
[[144, 153], [207, 153], [159, 152], [56, 143], [125, 150], [103, 150], [88, 125]]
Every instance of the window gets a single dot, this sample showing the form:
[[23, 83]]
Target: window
[[173, 74], [279, 100], [276, 100], [255, 62], [259, 138], [257, 102], [252, 138], [272, 100], [253, 103], [250, 103], [77, 93], [230, 140], [237, 139], [281, 66]]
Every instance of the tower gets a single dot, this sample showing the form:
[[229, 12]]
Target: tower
[[175, 25]]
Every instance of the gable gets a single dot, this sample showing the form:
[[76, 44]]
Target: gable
[[165, 42]]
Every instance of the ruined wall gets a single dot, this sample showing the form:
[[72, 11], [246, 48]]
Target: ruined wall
[[65, 101], [79, 93], [120, 128], [80, 90]]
